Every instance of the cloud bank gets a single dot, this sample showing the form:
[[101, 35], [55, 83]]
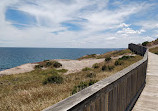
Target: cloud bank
[[77, 23]]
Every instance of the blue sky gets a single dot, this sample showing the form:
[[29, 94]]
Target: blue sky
[[77, 23]]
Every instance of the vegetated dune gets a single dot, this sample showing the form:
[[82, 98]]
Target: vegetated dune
[[72, 66], [40, 88]]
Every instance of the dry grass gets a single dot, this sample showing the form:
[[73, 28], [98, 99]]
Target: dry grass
[[108, 54], [152, 43], [25, 92], [154, 50]]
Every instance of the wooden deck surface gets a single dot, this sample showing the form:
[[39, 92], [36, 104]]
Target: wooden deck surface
[[148, 100]]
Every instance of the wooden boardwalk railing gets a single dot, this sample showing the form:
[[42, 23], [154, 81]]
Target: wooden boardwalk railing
[[118, 92]]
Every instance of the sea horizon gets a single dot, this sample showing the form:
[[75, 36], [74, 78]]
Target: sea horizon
[[14, 56], [69, 47]]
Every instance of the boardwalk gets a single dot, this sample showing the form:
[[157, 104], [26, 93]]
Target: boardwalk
[[148, 100]]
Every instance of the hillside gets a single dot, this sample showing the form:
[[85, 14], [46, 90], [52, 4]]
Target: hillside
[[150, 44], [48, 83], [153, 46]]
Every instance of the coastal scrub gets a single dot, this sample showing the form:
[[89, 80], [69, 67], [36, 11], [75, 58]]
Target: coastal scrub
[[40, 89]]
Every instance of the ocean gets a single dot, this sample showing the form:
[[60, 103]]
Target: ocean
[[12, 57]]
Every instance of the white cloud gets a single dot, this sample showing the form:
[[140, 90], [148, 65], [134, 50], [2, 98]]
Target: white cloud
[[130, 31], [124, 25], [51, 13], [148, 24]]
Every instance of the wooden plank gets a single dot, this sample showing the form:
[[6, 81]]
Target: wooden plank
[[148, 100]]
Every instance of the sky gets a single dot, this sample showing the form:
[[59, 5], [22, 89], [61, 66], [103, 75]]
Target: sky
[[77, 23]]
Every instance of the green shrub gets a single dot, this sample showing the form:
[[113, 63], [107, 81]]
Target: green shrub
[[63, 70], [57, 64], [118, 62], [48, 64], [110, 68], [104, 67], [83, 85], [92, 55], [107, 59], [95, 66], [145, 43], [46, 60], [125, 57], [156, 53], [91, 75], [86, 69], [56, 79], [38, 66]]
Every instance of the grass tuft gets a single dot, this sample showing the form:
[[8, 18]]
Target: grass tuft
[[104, 68], [56, 79], [118, 62], [110, 68], [107, 59], [91, 75], [86, 69], [96, 65], [125, 57], [82, 85]]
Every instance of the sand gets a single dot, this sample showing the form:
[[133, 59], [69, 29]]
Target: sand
[[19, 69], [77, 65], [71, 65]]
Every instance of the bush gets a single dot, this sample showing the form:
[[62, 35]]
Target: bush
[[56, 79], [48, 64], [63, 70], [104, 67], [145, 43], [156, 53], [46, 60], [125, 57], [107, 59], [91, 75], [110, 68], [86, 69], [95, 66], [118, 62], [92, 55], [38, 66], [57, 64], [83, 85]]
